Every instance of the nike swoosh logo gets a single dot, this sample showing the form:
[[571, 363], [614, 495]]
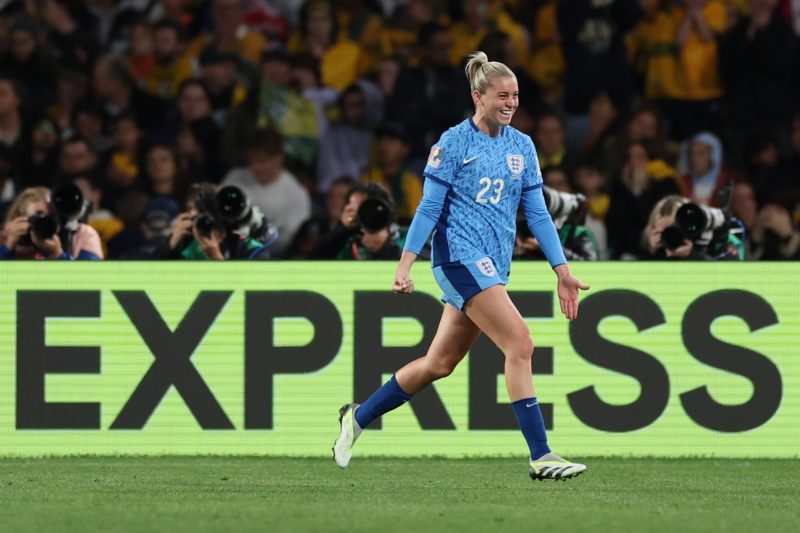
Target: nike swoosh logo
[[530, 404], [470, 160]]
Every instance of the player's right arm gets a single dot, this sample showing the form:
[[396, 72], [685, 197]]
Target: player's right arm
[[439, 173]]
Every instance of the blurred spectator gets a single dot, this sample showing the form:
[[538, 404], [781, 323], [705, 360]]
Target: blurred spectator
[[75, 48], [603, 123], [359, 23], [13, 129], [764, 170], [549, 138], [399, 34], [305, 79], [775, 235], [104, 222], [31, 64], [20, 242], [76, 157], [197, 148], [218, 71], [164, 175], [392, 173], [115, 91], [268, 18], [652, 49], [344, 150], [193, 102], [592, 35], [126, 160], [41, 167], [591, 182], [8, 187], [229, 36], [705, 175], [479, 18], [271, 187], [161, 78], [743, 206], [155, 229], [547, 56], [694, 106], [140, 56], [431, 97], [556, 178], [758, 54], [642, 183], [272, 106], [318, 36], [90, 122], [70, 89]]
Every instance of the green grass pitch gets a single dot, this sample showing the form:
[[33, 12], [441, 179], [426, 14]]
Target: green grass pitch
[[383, 494]]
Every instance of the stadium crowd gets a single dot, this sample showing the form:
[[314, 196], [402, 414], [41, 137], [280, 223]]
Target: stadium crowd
[[309, 108]]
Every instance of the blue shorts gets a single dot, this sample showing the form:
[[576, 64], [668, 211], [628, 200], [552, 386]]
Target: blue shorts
[[462, 281]]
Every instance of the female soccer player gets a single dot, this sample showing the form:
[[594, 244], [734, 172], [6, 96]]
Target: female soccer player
[[474, 180]]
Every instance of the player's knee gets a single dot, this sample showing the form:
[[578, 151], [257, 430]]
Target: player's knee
[[521, 348], [440, 369]]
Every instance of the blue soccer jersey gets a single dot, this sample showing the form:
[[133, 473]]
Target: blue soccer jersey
[[485, 177]]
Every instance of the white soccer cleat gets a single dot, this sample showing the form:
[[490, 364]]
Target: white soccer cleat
[[349, 432], [551, 466]]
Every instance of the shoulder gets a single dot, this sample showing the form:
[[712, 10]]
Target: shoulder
[[236, 176], [523, 140]]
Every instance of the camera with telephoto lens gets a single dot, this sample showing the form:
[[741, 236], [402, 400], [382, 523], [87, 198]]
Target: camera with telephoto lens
[[374, 214], [204, 224], [69, 208], [707, 228], [565, 207], [240, 216]]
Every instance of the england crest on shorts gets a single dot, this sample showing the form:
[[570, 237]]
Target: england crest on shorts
[[486, 267], [516, 164]]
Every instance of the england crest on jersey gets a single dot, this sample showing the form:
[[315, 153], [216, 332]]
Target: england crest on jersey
[[486, 267], [516, 164]]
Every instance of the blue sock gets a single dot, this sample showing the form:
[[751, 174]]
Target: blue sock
[[389, 396], [529, 418]]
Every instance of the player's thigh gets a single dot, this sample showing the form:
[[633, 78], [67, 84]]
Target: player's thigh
[[496, 315], [454, 337]]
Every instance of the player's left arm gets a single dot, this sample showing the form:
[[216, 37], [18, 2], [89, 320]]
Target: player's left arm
[[542, 227]]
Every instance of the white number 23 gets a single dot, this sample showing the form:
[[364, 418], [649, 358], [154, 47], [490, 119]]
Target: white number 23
[[487, 183]]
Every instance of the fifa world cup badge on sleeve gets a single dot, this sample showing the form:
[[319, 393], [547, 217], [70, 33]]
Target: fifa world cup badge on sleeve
[[486, 267], [435, 157], [516, 164]]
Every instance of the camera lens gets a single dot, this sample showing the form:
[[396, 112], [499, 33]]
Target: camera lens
[[204, 224], [672, 237], [692, 219], [43, 226], [68, 201], [232, 204], [374, 214]]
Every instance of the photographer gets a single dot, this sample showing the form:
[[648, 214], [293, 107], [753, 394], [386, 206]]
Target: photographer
[[219, 225], [366, 228], [37, 227], [680, 229], [568, 212]]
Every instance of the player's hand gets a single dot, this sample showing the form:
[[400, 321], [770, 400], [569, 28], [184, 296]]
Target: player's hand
[[402, 284], [568, 286]]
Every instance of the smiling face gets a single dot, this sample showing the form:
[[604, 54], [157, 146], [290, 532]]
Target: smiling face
[[498, 104]]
